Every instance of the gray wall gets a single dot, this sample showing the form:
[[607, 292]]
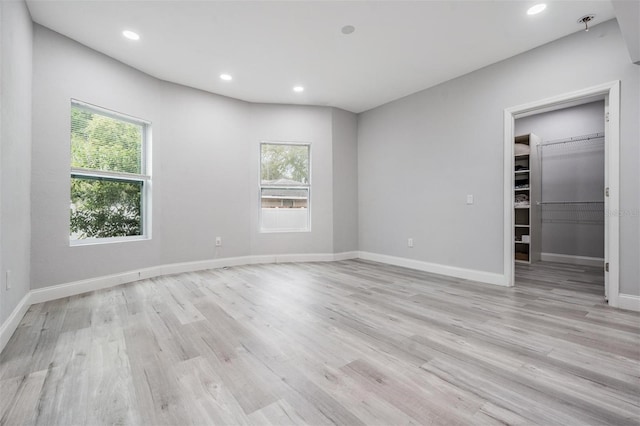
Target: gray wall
[[287, 123], [205, 167], [345, 181], [419, 156], [570, 173], [15, 153], [200, 176], [63, 70]]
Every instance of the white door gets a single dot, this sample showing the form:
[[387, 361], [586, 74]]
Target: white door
[[606, 196]]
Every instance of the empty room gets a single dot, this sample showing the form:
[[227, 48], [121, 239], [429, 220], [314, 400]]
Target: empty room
[[320, 212]]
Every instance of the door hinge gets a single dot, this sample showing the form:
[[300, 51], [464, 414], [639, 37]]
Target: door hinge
[[606, 267], [606, 117], [606, 191]]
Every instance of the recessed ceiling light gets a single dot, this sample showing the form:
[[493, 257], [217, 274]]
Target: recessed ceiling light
[[298, 89], [131, 35], [534, 10], [226, 77], [348, 29]]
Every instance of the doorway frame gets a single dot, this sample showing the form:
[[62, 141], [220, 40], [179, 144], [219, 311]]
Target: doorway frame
[[611, 93]]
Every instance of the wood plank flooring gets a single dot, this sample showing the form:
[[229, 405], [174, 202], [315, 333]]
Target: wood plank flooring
[[346, 343]]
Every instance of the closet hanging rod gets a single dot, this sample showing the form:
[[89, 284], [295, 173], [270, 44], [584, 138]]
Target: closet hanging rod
[[569, 202], [574, 139]]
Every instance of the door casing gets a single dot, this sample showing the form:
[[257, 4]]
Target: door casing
[[610, 92]]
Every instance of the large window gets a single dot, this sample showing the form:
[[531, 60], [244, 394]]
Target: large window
[[109, 176], [284, 187]]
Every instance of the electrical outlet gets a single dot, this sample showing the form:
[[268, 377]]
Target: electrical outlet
[[7, 280], [410, 242], [218, 241]]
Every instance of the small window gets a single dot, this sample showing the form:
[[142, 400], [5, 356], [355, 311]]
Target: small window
[[109, 176], [284, 187]]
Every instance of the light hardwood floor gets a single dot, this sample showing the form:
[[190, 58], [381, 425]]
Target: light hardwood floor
[[344, 343]]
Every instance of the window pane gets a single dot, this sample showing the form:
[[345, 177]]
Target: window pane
[[103, 208], [284, 164], [285, 209], [99, 142], [284, 197]]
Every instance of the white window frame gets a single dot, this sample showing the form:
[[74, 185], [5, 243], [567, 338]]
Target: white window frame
[[144, 177], [261, 187]]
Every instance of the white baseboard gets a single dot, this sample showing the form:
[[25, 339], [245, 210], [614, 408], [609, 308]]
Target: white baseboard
[[346, 255], [78, 287], [83, 286], [573, 260], [629, 302], [11, 324], [452, 271], [625, 301]]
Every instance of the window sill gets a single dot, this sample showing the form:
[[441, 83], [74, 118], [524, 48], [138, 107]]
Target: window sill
[[284, 231], [101, 241]]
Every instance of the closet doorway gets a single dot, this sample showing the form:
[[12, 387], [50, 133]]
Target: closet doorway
[[563, 203], [562, 190]]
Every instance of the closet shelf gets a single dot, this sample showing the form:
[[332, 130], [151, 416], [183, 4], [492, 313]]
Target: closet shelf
[[586, 212], [575, 141], [526, 190], [568, 203]]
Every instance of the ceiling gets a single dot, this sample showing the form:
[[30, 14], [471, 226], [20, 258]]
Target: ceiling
[[398, 47]]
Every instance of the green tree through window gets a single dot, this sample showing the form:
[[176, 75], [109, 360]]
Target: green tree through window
[[285, 161], [106, 194]]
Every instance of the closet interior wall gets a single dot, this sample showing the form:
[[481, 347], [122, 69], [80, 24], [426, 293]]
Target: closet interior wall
[[572, 174]]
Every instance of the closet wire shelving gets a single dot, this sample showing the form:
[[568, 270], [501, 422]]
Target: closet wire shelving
[[573, 211]]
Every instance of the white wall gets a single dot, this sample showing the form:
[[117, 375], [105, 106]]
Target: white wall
[[15, 153], [205, 167], [570, 173], [419, 157]]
